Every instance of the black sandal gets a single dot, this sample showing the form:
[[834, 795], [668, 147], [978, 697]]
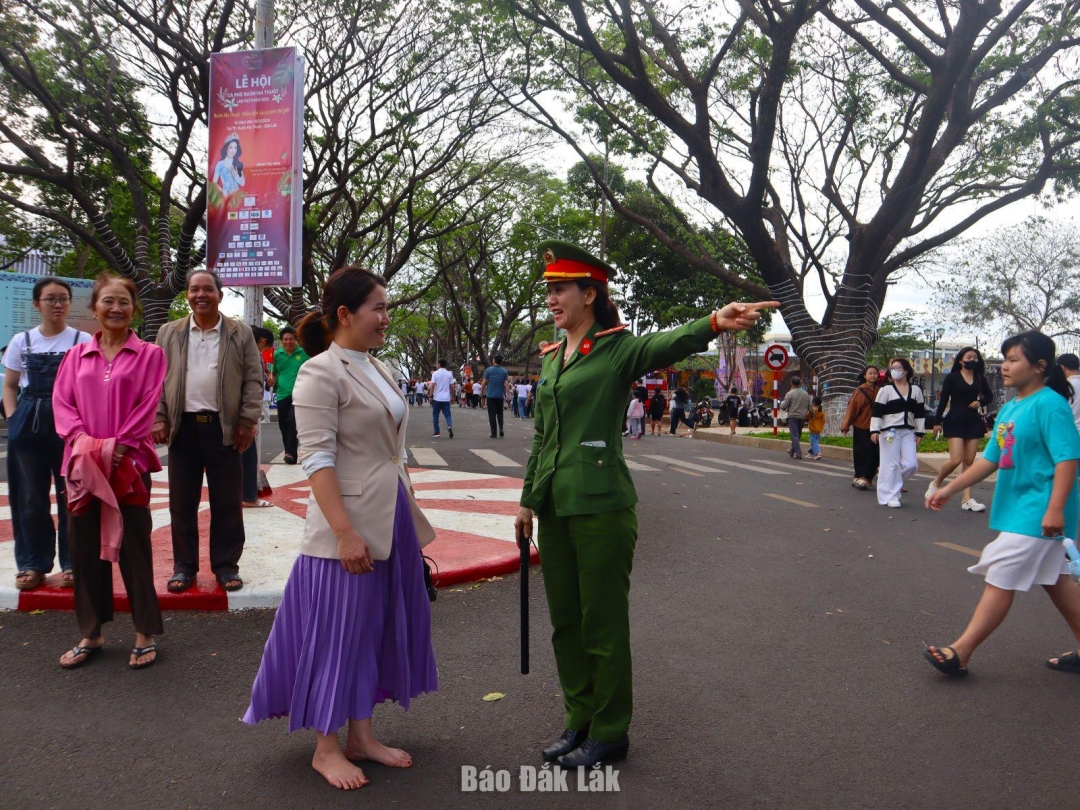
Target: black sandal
[[139, 652], [230, 582], [951, 665], [180, 582], [1069, 662], [76, 651]]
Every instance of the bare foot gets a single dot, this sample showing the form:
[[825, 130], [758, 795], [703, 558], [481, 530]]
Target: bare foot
[[338, 771], [377, 752]]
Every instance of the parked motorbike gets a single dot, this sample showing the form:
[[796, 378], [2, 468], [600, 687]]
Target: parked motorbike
[[703, 414]]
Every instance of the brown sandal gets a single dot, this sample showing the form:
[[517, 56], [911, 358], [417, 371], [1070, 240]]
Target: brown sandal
[[28, 580]]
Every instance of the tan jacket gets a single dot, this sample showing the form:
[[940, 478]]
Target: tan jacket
[[340, 410], [240, 376]]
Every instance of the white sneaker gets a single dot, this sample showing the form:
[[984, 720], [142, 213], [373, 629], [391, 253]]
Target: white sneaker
[[894, 503], [930, 490], [972, 505]]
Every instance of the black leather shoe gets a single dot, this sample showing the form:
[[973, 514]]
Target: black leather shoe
[[593, 752], [567, 742]]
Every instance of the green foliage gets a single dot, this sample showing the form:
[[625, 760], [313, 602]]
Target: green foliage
[[703, 388], [898, 336]]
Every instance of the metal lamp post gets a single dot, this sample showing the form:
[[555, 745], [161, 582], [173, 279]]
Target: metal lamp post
[[933, 335]]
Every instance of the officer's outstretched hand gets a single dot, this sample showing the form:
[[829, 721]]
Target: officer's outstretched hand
[[737, 316]]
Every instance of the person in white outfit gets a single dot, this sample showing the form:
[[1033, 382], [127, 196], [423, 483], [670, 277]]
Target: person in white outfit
[[897, 427]]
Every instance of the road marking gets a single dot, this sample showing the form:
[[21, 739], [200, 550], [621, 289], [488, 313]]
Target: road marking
[[162, 451], [805, 467], [742, 466], [426, 457], [961, 549], [790, 500], [279, 458], [686, 472], [688, 465], [633, 465], [495, 459]]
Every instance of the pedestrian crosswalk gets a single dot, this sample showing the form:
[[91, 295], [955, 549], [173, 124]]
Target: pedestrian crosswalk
[[429, 458]]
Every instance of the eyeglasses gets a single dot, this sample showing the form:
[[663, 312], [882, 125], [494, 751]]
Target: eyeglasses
[[52, 301]]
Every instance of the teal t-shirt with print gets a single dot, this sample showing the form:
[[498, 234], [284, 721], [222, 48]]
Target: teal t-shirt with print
[[1031, 435]]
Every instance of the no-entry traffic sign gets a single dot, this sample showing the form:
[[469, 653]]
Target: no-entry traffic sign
[[776, 357]]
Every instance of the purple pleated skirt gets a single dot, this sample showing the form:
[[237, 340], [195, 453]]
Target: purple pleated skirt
[[343, 642]]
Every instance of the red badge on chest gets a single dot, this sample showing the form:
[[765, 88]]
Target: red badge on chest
[[586, 346]]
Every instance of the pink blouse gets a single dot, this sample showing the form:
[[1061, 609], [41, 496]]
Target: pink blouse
[[111, 399]]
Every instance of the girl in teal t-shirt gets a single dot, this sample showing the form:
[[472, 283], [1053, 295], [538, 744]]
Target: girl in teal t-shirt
[[1034, 449]]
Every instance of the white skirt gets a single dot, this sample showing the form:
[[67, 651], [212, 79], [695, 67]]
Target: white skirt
[[1017, 562]]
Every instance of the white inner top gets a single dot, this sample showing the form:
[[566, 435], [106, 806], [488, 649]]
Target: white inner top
[[393, 396]]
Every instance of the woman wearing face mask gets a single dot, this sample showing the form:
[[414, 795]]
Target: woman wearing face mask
[[963, 392], [897, 427], [860, 410]]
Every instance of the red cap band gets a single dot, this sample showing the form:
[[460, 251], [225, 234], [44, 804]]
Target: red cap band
[[570, 270]]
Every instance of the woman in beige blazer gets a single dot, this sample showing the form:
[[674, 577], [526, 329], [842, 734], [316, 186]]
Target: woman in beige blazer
[[354, 625]]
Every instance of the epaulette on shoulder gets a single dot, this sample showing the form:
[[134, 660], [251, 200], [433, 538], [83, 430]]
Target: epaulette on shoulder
[[547, 348], [611, 331]]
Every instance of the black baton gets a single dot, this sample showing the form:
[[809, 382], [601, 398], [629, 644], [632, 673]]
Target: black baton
[[523, 545]]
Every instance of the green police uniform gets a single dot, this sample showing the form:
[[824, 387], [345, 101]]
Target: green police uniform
[[578, 484]]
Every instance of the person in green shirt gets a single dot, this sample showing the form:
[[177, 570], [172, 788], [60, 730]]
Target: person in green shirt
[[579, 488], [287, 362]]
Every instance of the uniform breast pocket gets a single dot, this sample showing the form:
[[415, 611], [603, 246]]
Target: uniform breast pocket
[[594, 465]]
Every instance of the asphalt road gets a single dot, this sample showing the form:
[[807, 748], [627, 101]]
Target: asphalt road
[[776, 661]]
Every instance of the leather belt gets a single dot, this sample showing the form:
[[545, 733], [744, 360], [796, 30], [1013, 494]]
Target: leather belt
[[203, 417]]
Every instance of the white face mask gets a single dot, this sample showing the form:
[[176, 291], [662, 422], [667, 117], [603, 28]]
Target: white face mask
[[898, 373]]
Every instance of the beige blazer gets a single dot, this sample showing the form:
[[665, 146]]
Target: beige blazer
[[339, 409]]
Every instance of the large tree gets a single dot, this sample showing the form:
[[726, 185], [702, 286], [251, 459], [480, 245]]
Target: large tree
[[1020, 277], [840, 141], [103, 127]]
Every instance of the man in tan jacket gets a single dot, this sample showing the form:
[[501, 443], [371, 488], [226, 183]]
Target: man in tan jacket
[[208, 415]]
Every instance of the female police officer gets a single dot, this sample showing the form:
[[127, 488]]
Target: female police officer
[[578, 485]]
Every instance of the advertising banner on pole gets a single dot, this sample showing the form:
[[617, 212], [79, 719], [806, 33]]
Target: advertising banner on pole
[[254, 200]]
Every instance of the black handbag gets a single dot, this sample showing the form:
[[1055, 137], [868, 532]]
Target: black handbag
[[430, 582]]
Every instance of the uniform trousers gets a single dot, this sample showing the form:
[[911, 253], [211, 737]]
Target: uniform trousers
[[898, 463], [586, 565], [94, 576], [197, 449]]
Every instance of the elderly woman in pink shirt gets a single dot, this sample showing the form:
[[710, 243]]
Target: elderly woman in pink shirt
[[106, 396]]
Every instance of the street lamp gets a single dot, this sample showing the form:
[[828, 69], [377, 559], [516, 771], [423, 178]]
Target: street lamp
[[933, 335]]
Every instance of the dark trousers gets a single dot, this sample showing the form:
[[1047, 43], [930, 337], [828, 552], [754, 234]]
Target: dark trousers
[[438, 407], [679, 415], [286, 419], [94, 576], [795, 428], [198, 449], [495, 413], [249, 461], [33, 465], [867, 455]]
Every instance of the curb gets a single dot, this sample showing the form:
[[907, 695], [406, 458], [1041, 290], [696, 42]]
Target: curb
[[470, 545], [250, 597]]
